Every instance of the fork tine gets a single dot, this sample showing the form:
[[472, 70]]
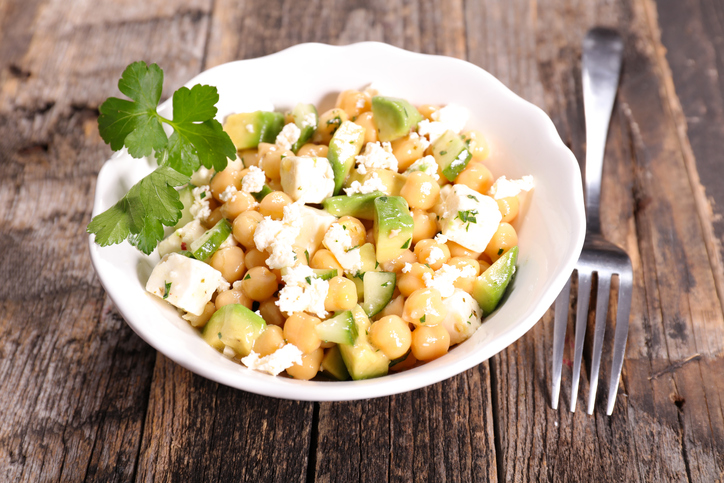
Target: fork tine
[[604, 289], [584, 296], [625, 288], [559, 337]]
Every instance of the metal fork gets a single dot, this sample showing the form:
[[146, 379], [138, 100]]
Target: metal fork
[[601, 66]]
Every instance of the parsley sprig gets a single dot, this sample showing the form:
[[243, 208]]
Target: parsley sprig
[[467, 217], [197, 139]]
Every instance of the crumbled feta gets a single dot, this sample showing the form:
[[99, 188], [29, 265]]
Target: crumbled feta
[[229, 194], [469, 218], [276, 362], [453, 116], [464, 316], [426, 188], [181, 238], [310, 120], [277, 236], [229, 242], [444, 278], [427, 165], [423, 142], [339, 242], [376, 155], [345, 140], [200, 208], [433, 130], [236, 164], [436, 254], [373, 183], [394, 232], [303, 292], [309, 179], [254, 180], [202, 176], [407, 268], [184, 282], [504, 188], [228, 352], [440, 238], [288, 136]]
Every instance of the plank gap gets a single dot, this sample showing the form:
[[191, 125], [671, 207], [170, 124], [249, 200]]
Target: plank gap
[[494, 395], [314, 435]]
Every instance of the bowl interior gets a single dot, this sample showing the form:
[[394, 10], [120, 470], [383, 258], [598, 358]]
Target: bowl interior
[[523, 140]]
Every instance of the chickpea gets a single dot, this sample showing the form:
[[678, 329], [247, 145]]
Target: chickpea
[[508, 208], [407, 150], [420, 190], [273, 204], [309, 366], [366, 120], [255, 258], [426, 110], [271, 312], [300, 330], [398, 263], [504, 239], [329, 122], [228, 297], [245, 226], [429, 343], [413, 280], [424, 307], [476, 176], [484, 265], [312, 150], [477, 145], [425, 225], [323, 258], [342, 294], [271, 159], [259, 283], [222, 180], [239, 202], [269, 341], [230, 262], [214, 218], [354, 103], [457, 250], [355, 228], [432, 252], [199, 321], [249, 157], [301, 255], [391, 335], [275, 185], [395, 307], [465, 283]]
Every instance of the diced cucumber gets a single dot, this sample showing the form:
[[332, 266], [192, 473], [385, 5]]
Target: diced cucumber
[[187, 198], [369, 258], [235, 326], [259, 195], [358, 205], [452, 154], [362, 359], [248, 129], [393, 117], [306, 119], [343, 148], [393, 227], [333, 365], [378, 290], [489, 287], [340, 329], [205, 246]]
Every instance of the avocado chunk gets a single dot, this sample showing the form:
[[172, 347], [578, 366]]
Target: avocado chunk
[[393, 117], [490, 286], [306, 119], [393, 227], [362, 359], [357, 205], [333, 365], [344, 146], [392, 181], [378, 290], [452, 154], [235, 326], [248, 129]]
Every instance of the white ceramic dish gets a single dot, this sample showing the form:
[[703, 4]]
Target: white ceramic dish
[[523, 141]]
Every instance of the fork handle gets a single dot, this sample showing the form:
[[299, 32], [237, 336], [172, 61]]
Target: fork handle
[[602, 52]]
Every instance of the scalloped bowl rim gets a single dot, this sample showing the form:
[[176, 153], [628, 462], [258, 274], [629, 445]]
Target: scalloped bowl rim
[[547, 253]]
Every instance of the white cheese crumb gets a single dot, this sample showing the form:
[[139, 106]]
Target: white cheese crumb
[[202, 176], [303, 292], [277, 236], [229, 194], [254, 180], [339, 242], [407, 267], [228, 352], [445, 277], [433, 130], [453, 116], [424, 142], [258, 312], [276, 362], [426, 188], [376, 155], [436, 254], [427, 165], [394, 232], [440, 238], [504, 188], [310, 120], [373, 183], [289, 135], [200, 209]]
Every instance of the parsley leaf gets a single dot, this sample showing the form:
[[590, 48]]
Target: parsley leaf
[[167, 289], [406, 245], [422, 319]]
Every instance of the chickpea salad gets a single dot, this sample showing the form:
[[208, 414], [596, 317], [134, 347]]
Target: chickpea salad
[[366, 239]]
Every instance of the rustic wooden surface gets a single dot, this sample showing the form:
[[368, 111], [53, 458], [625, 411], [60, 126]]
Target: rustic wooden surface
[[83, 398]]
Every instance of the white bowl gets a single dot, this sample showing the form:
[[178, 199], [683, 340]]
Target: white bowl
[[523, 140]]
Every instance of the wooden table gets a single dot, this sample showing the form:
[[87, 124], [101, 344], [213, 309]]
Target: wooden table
[[83, 398]]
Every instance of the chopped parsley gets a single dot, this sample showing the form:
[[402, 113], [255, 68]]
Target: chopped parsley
[[167, 289], [406, 244], [247, 277], [219, 334], [386, 284], [473, 198], [467, 217], [306, 254], [203, 195], [500, 251], [309, 280], [422, 319], [443, 153]]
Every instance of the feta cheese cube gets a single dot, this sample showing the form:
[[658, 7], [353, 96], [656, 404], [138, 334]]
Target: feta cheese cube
[[181, 238], [254, 180], [376, 155], [289, 135], [184, 282], [276, 362], [504, 188], [316, 223], [469, 218], [339, 242], [309, 179], [464, 316]]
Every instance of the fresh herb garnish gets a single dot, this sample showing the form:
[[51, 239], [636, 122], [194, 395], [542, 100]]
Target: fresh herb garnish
[[500, 251], [197, 139], [247, 277], [406, 244], [309, 280], [167, 289], [473, 198], [443, 153], [306, 253], [467, 216], [422, 319]]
